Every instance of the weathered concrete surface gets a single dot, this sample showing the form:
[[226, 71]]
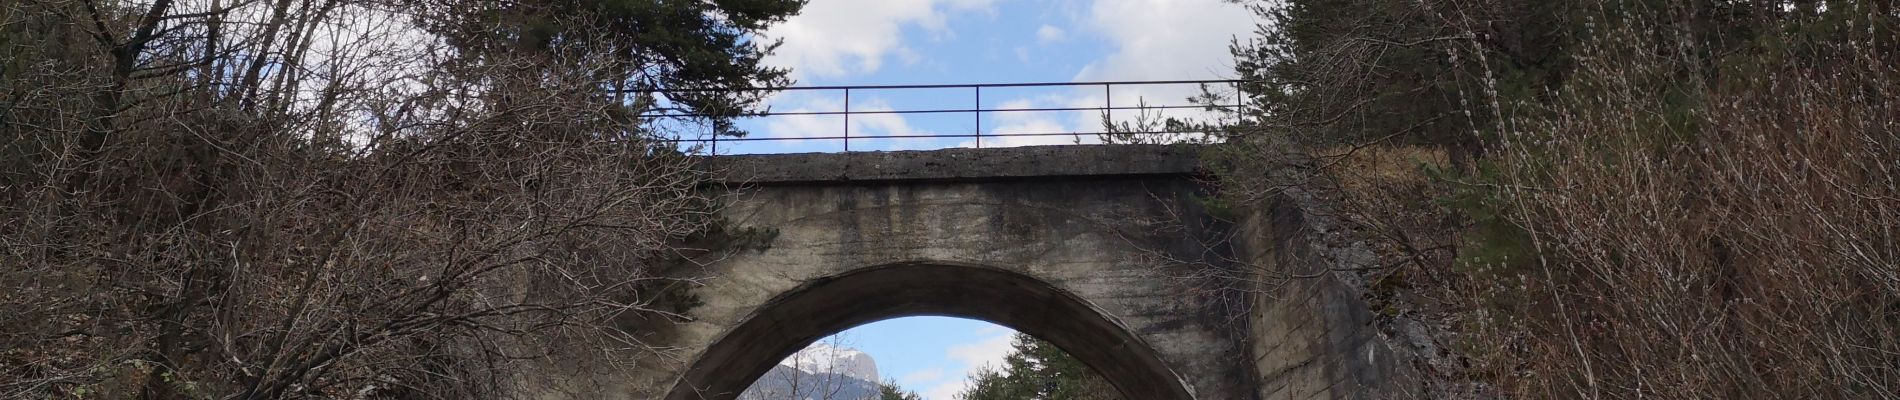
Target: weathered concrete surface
[[1310, 332], [1047, 240], [1060, 242], [1037, 162]]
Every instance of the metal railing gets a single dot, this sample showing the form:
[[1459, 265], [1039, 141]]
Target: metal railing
[[977, 110]]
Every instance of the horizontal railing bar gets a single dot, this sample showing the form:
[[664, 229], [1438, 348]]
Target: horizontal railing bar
[[942, 86], [670, 109], [942, 111], [934, 136]]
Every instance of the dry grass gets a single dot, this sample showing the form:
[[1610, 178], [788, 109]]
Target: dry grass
[[1366, 171]]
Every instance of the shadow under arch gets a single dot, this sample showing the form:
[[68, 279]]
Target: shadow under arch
[[834, 303]]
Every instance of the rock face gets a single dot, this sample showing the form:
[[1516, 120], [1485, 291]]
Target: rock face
[[819, 372], [823, 358]]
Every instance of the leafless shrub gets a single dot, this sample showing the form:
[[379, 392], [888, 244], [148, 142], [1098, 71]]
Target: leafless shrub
[[287, 198], [1697, 201], [1748, 246]]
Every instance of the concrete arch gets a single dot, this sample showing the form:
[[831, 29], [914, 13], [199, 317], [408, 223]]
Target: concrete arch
[[837, 302], [1098, 249], [1061, 242]]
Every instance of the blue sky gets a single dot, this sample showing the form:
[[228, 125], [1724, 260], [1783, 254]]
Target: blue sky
[[902, 42], [895, 42]]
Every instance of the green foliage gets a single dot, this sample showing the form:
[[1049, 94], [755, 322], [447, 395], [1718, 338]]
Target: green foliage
[[1349, 71], [665, 44], [1035, 369]]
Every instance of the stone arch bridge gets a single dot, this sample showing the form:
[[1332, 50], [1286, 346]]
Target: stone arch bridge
[[1092, 248]]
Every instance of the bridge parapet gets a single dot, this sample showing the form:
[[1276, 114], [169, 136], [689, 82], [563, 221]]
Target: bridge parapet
[[1035, 162]]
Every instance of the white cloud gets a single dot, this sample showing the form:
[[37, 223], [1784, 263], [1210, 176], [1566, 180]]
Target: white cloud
[[988, 352], [1146, 40], [1163, 40], [843, 37], [1049, 34], [1042, 122], [1149, 40], [808, 126], [880, 124], [923, 376]]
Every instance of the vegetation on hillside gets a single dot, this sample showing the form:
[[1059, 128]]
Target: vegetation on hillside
[[1647, 198], [345, 198]]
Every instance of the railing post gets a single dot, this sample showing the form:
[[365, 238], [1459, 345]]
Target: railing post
[[979, 115], [1239, 103], [1108, 112], [847, 120]]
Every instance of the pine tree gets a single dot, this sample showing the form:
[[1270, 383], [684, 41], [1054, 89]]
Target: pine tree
[[1036, 369], [890, 391]]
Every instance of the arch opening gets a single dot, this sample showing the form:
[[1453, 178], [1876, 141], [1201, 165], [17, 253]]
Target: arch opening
[[828, 305]]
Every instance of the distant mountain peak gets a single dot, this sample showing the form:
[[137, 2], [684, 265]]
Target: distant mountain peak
[[820, 358], [818, 372]]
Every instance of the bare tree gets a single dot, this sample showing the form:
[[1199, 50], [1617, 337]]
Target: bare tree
[[335, 198]]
